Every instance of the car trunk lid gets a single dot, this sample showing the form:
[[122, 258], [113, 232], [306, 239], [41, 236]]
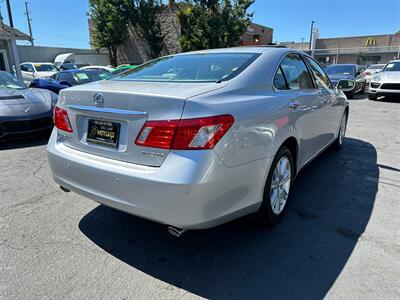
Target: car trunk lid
[[118, 110]]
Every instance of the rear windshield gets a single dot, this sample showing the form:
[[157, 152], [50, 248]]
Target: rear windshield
[[392, 66], [209, 67], [45, 68], [83, 77]]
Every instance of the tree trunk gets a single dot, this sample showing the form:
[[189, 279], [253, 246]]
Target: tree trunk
[[113, 52]]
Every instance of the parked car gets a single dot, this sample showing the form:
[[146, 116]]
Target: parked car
[[371, 71], [98, 68], [49, 84], [386, 82], [23, 110], [68, 78], [122, 69], [32, 71], [337, 72], [196, 139], [67, 66]]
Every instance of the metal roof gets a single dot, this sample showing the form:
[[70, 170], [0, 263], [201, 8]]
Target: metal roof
[[9, 33]]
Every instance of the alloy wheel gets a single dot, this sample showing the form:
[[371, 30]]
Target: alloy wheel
[[342, 131], [280, 185]]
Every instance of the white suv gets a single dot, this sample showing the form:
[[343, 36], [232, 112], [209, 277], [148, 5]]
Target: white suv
[[32, 71]]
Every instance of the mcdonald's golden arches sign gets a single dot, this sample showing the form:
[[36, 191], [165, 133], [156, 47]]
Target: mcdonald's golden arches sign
[[371, 41]]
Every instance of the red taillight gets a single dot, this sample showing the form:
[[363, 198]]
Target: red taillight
[[157, 134], [61, 119], [366, 73], [185, 134]]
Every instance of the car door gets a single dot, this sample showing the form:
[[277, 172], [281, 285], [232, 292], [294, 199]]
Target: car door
[[304, 105], [331, 111], [27, 73]]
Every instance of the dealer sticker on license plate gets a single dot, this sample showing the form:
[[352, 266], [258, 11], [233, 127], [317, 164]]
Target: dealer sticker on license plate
[[103, 133]]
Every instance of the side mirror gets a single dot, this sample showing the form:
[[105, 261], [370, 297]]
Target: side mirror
[[346, 85]]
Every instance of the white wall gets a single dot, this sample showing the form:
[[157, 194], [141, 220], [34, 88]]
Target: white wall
[[48, 54]]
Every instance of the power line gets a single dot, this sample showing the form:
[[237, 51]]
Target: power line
[[29, 21]]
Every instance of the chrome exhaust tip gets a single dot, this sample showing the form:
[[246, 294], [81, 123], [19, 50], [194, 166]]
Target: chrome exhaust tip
[[64, 189], [176, 232]]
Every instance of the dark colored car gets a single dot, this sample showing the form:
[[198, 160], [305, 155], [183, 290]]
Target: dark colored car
[[350, 72], [68, 78], [24, 112]]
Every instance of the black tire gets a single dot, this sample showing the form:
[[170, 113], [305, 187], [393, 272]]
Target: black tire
[[338, 143], [265, 215], [372, 97], [350, 95]]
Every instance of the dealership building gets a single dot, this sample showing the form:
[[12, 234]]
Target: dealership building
[[363, 50]]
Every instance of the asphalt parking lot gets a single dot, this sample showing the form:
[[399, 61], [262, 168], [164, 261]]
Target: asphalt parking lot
[[340, 239]]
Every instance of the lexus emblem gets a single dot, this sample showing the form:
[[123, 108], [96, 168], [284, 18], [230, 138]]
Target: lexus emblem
[[98, 99]]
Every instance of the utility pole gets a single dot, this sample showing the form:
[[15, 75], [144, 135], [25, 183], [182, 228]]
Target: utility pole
[[311, 35], [9, 13], [337, 53], [29, 21]]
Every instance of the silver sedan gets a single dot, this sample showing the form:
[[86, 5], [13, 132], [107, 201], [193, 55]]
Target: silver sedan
[[197, 139]]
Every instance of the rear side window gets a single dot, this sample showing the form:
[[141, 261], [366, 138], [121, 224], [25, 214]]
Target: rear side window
[[66, 77], [296, 73], [321, 79], [279, 80], [27, 68]]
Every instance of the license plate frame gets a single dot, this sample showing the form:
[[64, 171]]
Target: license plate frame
[[103, 133]]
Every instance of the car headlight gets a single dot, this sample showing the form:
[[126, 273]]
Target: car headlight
[[376, 78]]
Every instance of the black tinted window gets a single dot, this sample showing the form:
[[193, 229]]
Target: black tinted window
[[392, 66], [279, 80], [66, 77], [26, 68], [296, 73]]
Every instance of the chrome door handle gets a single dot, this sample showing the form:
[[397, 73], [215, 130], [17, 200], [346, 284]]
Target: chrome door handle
[[293, 104]]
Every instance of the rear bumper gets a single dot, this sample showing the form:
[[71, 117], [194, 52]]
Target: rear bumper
[[191, 190]]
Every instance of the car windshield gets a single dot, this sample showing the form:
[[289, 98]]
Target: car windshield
[[10, 82], [205, 67], [392, 67], [83, 77], [340, 69], [45, 68]]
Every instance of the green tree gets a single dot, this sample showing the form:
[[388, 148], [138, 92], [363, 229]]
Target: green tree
[[146, 16], [110, 19], [207, 24]]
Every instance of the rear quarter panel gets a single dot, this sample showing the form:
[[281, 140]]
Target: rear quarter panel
[[262, 123]]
